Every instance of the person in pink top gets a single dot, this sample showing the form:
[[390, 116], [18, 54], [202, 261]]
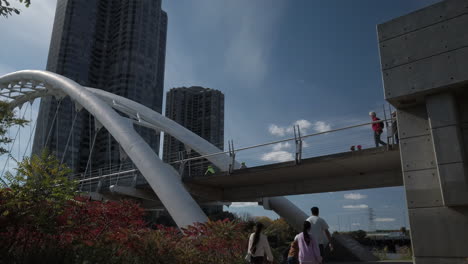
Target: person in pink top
[[309, 252]]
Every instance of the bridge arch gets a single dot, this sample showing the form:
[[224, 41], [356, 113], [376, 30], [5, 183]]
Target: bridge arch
[[24, 86]]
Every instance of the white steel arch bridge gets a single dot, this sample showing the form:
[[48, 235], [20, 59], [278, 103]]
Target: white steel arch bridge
[[25, 86]]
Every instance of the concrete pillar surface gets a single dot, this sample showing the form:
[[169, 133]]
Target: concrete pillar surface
[[424, 59]]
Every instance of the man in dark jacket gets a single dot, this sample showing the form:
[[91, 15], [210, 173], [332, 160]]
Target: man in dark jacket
[[378, 129]]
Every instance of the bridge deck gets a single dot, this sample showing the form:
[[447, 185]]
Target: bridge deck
[[370, 168]]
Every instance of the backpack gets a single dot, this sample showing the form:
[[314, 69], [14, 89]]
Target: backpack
[[382, 125]]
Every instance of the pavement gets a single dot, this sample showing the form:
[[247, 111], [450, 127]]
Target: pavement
[[374, 262]]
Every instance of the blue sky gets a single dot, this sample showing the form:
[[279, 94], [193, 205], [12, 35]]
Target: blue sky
[[277, 62]]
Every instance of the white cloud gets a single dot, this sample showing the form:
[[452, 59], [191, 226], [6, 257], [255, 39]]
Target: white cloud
[[321, 126], [304, 125], [281, 146], [354, 196], [383, 219], [356, 224], [357, 206], [276, 130], [278, 156], [243, 204]]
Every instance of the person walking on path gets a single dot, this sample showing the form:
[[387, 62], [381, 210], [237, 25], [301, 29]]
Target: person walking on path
[[319, 230], [309, 252], [258, 247], [378, 129], [395, 127]]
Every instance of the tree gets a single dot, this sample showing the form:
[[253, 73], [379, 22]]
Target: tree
[[6, 10], [37, 193], [222, 215], [7, 120]]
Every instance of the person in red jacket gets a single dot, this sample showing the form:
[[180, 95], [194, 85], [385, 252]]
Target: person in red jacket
[[378, 129]]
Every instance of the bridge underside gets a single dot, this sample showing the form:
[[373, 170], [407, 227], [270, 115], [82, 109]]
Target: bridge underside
[[370, 168]]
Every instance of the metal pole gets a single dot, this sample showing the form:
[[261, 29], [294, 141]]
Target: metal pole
[[386, 125]]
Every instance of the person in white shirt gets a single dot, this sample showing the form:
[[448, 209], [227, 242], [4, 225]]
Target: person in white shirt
[[258, 246], [319, 230]]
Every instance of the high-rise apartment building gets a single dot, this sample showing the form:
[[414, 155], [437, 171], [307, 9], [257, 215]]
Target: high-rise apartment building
[[118, 46], [201, 110]]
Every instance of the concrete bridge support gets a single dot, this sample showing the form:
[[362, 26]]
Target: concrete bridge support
[[287, 210], [424, 57]]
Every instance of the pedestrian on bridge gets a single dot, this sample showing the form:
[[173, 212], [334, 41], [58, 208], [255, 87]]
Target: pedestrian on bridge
[[378, 129], [209, 170]]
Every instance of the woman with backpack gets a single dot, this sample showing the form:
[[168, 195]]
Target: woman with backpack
[[309, 252], [258, 247]]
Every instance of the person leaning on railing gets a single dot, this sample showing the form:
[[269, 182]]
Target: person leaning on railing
[[378, 129]]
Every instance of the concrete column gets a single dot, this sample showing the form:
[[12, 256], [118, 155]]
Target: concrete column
[[438, 231], [424, 60], [448, 147]]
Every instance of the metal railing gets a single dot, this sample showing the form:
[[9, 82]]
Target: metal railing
[[292, 149]]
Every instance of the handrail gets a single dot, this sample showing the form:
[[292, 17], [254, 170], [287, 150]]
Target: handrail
[[281, 141], [107, 175], [249, 147]]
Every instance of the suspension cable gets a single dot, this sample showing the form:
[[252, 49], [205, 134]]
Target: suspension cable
[[31, 128], [53, 122], [30, 137], [69, 137], [11, 148], [91, 151], [118, 175]]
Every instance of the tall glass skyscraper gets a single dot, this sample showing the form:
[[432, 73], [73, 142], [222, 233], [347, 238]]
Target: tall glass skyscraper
[[201, 110], [115, 45]]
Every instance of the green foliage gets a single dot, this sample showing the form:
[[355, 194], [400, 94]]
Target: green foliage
[[6, 10], [42, 218], [38, 192], [7, 120], [359, 235], [222, 215], [381, 253]]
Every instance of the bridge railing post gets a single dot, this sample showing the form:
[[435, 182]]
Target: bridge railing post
[[232, 155], [99, 184], [82, 182], [182, 163], [298, 141]]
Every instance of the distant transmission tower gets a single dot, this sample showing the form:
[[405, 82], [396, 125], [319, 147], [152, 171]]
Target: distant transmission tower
[[371, 219]]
